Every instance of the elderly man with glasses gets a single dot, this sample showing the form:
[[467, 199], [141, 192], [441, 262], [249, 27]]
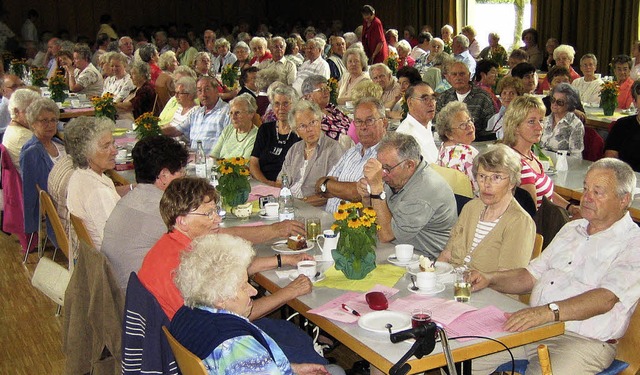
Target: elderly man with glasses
[[421, 101], [413, 203], [341, 182]]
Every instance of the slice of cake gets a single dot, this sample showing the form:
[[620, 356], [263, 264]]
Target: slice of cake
[[296, 242], [426, 265]]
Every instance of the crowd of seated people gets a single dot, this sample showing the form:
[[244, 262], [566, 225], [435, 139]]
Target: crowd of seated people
[[328, 111]]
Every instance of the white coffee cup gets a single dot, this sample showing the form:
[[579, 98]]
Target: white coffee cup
[[307, 268], [271, 209], [404, 253], [426, 280], [75, 103]]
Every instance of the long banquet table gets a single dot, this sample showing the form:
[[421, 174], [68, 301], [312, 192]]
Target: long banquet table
[[377, 348]]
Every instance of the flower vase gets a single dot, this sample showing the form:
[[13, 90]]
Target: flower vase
[[352, 267], [609, 106], [58, 96], [238, 195]]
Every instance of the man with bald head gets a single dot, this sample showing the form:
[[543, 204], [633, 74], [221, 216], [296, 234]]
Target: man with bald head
[[10, 83], [126, 48], [53, 47], [336, 66]]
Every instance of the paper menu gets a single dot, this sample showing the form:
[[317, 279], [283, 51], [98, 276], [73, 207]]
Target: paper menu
[[443, 311], [481, 322], [333, 309]]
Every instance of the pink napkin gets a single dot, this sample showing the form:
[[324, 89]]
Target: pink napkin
[[262, 190]]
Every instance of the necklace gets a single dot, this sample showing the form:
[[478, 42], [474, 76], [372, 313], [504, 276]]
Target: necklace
[[530, 158], [493, 223], [278, 136], [19, 123], [245, 137]]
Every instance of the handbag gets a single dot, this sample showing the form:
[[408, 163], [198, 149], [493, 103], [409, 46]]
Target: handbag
[[51, 279]]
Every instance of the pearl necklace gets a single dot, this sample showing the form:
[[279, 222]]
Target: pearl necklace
[[278, 136]]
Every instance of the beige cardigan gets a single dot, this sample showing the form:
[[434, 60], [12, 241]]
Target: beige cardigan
[[509, 244]]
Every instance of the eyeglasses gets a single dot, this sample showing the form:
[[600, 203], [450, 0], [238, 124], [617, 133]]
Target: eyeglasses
[[491, 178], [425, 98], [322, 89], [387, 170], [558, 102], [365, 123], [211, 214], [182, 93], [50, 121], [237, 113], [308, 126], [465, 125]]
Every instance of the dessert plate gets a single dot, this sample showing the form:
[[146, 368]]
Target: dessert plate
[[281, 247]]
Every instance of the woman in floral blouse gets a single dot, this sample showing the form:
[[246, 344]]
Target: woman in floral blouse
[[334, 122]]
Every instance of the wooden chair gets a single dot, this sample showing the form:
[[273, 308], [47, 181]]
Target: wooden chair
[[188, 362], [117, 178], [81, 230], [537, 250], [459, 182], [627, 350], [49, 210]]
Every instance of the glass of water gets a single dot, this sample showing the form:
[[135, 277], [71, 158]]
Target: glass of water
[[461, 287]]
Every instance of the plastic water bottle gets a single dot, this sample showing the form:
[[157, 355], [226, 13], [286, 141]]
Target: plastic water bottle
[[561, 162], [287, 211], [201, 161]]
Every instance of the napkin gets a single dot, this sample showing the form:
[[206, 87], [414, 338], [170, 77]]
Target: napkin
[[385, 274]]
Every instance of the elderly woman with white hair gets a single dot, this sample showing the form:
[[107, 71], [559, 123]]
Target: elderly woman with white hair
[[142, 98], [334, 122], [391, 90], [119, 83], [493, 231], [404, 48], [562, 129], [186, 100], [356, 62], [91, 194], [238, 139], [259, 49], [218, 298], [446, 34], [225, 56], [18, 131], [311, 159], [242, 52], [168, 62], [563, 55]]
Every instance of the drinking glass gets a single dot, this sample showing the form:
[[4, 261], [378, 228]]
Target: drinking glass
[[313, 227], [420, 317], [461, 287]]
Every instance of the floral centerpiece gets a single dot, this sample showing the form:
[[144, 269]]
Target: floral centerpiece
[[609, 97], [333, 90], [19, 67], [229, 76], [38, 76], [147, 125], [233, 183], [355, 254], [57, 86], [392, 62], [104, 106]]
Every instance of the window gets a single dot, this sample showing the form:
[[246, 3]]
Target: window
[[506, 17]]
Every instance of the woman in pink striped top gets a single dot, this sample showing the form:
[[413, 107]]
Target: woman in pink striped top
[[522, 128]]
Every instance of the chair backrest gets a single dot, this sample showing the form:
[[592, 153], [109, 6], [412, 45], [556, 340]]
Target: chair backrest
[[46, 205], [188, 362], [458, 181], [116, 177], [593, 145], [549, 219], [537, 250], [629, 344], [81, 230]]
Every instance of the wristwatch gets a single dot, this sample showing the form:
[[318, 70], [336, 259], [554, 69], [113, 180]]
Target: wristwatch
[[323, 186], [382, 196], [556, 311]]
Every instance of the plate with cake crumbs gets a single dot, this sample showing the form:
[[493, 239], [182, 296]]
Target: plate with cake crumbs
[[441, 268], [282, 247]]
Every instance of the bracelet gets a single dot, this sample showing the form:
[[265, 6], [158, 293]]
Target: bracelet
[[279, 258], [568, 205]]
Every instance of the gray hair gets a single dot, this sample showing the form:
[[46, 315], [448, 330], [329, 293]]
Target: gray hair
[[272, 88], [393, 32], [405, 145], [106, 57], [625, 177], [142, 68], [200, 56], [382, 66], [445, 117], [499, 158], [265, 77], [318, 43], [20, 100], [280, 39], [81, 136], [573, 98], [210, 273], [41, 105], [300, 106], [377, 103], [403, 45], [447, 27], [147, 51], [258, 41], [120, 57], [248, 100], [188, 83], [350, 38], [589, 56], [222, 42], [165, 58], [309, 84], [463, 40], [564, 48], [186, 71], [83, 51], [241, 45], [361, 56], [287, 91]]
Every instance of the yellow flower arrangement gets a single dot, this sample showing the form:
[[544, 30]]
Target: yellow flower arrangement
[[229, 76], [38, 75], [104, 106], [57, 86], [392, 62], [609, 97], [147, 125], [355, 253], [333, 90], [233, 183]]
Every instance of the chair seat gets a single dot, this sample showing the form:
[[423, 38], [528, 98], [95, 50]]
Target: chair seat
[[616, 367], [520, 366]]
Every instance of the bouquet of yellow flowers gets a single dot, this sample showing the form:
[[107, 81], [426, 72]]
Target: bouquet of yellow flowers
[[147, 125], [38, 75], [104, 106], [333, 90], [229, 76], [233, 183], [355, 254], [609, 97], [57, 86], [392, 62]]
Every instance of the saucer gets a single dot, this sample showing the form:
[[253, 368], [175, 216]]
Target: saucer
[[441, 268], [281, 247], [264, 216], [393, 260], [314, 280], [437, 289]]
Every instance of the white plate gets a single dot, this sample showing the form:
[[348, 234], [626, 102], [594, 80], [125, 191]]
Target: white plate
[[314, 280], [393, 260], [281, 247], [376, 321], [264, 216], [439, 288], [551, 172], [441, 268]]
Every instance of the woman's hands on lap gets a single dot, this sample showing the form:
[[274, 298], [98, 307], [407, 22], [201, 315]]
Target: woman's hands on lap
[[308, 369]]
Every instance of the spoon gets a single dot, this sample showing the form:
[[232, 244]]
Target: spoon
[[388, 326], [413, 281]]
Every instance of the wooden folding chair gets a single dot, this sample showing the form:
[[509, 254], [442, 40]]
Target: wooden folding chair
[[81, 230], [188, 362], [627, 360], [537, 250], [117, 178], [49, 210]]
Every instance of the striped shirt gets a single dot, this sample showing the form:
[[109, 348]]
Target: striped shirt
[[206, 125], [542, 182], [482, 229]]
